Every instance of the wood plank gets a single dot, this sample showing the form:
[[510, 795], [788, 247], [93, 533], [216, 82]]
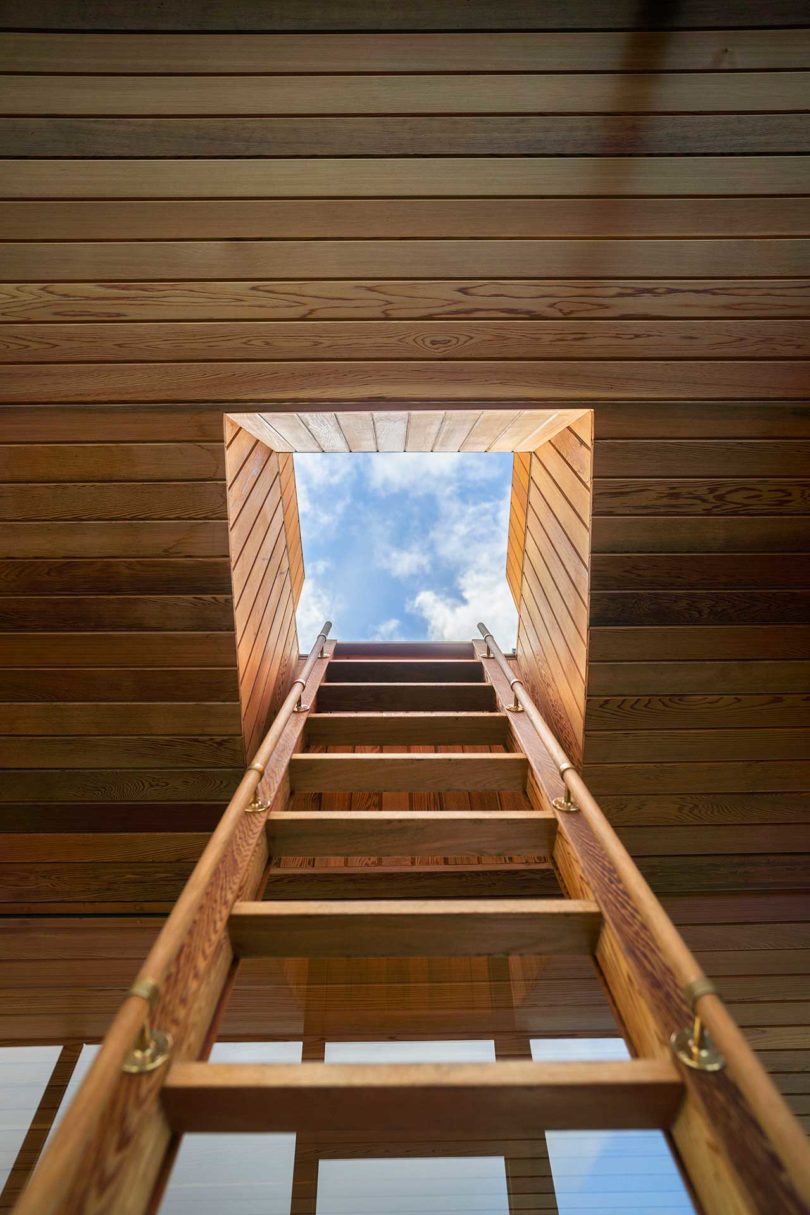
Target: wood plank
[[242, 16], [699, 607], [408, 772], [492, 93], [112, 650], [515, 259], [701, 420], [116, 539], [404, 670], [142, 577], [403, 697], [707, 676], [702, 809], [157, 719], [114, 500], [105, 423], [696, 712], [615, 747], [423, 135], [617, 176], [625, 572], [28, 461], [110, 785], [119, 613], [672, 533], [404, 649], [696, 841], [700, 458], [410, 833], [405, 928], [423, 299], [406, 729], [122, 751], [698, 776], [276, 54], [103, 847], [422, 1099], [701, 496], [164, 683], [778, 641], [198, 341]]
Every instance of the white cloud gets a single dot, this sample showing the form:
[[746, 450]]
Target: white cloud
[[469, 536], [424, 472], [317, 604], [388, 630], [403, 562], [324, 486], [482, 595], [449, 551]]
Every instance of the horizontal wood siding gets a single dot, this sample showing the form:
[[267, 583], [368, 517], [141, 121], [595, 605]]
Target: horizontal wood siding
[[118, 688], [694, 734]]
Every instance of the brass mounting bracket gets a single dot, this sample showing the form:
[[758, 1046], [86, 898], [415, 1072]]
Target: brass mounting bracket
[[516, 706], [153, 1046], [564, 804], [693, 1045], [257, 805], [299, 706]]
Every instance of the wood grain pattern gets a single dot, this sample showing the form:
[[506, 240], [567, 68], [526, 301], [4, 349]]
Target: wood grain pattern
[[203, 219], [583, 51], [424, 135], [241, 16], [615, 176], [541, 380], [479, 1098], [414, 928], [266, 568], [553, 629], [409, 833], [190, 342], [467, 93], [426, 299]]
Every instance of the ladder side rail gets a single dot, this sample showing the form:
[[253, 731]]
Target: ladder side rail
[[107, 1152], [740, 1143]]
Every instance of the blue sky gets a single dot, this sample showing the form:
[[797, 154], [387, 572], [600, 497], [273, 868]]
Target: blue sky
[[405, 546]]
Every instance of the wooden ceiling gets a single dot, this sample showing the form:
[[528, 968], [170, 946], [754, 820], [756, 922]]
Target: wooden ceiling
[[347, 212], [408, 430]]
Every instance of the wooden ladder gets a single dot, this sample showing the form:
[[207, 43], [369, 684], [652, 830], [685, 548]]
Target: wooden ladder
[[691, 1074]]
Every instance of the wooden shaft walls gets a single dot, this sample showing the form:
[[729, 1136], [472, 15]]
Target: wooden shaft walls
[[265, 546]]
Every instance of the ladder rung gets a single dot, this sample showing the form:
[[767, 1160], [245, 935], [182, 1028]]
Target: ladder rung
[[404, 696], [414, 928], [440, 1100], [404, 649], [409, 773], [407, 729], [405, 670], [411, 833]]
